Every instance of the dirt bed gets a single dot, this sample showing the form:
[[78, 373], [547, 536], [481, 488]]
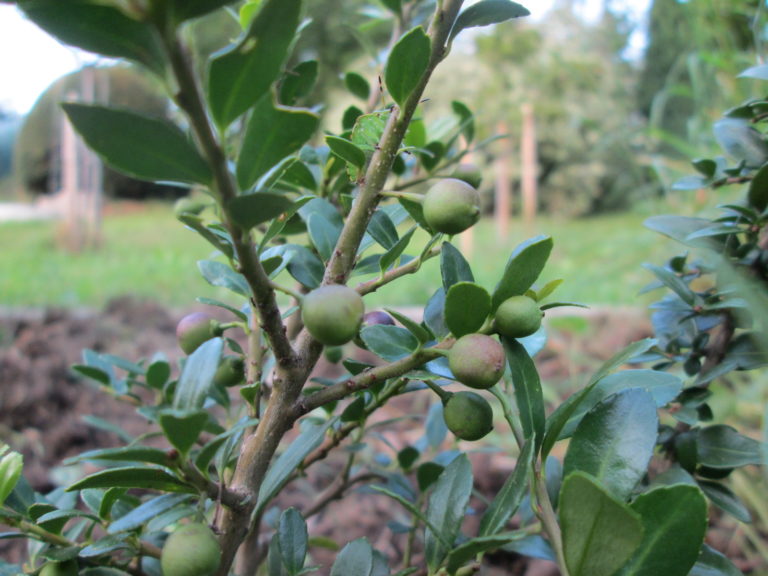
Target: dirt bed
[[42, 404]]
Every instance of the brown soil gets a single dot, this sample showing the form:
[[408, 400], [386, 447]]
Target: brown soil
[[42, 404]]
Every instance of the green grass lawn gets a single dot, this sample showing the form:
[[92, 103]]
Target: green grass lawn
[[149, 254]]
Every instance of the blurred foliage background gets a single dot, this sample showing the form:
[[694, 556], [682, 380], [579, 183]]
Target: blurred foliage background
[[621, 104], [615, 124]]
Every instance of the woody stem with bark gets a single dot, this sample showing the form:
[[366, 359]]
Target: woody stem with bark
[[292, 368]]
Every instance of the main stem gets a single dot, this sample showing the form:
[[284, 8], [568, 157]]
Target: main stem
[[293, 366]]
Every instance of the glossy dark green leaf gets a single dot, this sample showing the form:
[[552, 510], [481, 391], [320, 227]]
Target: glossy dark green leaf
[[724, 498], [100, 28], [158, 374], [294, 540], [196, 223], [383, 230], [523, 268], [434, 314], [224, 306], [299, 176], [274, 562], [243, 73], [298, 82], [427, 474], [509, 497], [662, 386], [304, 266], [323, 234], [197, 376], [431, 154], [415, 211], [467, 306], [453, 266], [464, 553], [680, 228], [346, 150], [389, 342], [741, 141], [758, 190], [674, 524], [675, 283], [528, 394], [394, 5], [272, 134], [487, 12], [392, 255], [219, 274], [250, 210], [533, 546], [435, 429], [407, 63], [407, 457], [600, 533], [108, 545], [122, 454], [93, 373], [355, 559], [146, 511], [350, 116], [354, 411], [713, 563], [446, 509], [147, 148], [615, 440], [357, 85], [721, 446], [133, 477], [103, 571], [182, 428], [466, 117], [188, 9], [283, 467], [411, 325], [11, 464]]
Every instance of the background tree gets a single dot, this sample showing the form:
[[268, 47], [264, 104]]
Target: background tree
[[575, 74]]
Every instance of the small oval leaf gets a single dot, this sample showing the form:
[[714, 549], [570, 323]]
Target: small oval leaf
[[407, 63]]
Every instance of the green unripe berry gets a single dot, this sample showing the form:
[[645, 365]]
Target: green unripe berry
[[477, 360], [195, 329], [469, 173], [518, 317], [231, 372], [332, 314], [468, 415], [451, 206], [67, 568], [192, 550], [333, 354]]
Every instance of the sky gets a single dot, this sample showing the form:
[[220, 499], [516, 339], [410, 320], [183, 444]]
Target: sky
[[30, 60]]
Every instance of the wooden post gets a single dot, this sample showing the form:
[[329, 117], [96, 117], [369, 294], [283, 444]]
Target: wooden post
[[69, 183], [529, 165], [81, 178], [502, 209]]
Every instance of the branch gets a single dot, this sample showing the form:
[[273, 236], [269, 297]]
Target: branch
[[408, 268], [190, 100], [366, 379], [378, 170]]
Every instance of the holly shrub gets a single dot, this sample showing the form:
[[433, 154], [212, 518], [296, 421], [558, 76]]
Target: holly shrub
[[295, 210]]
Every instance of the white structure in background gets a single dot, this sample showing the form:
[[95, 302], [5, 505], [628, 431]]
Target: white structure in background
[[80, 174]]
